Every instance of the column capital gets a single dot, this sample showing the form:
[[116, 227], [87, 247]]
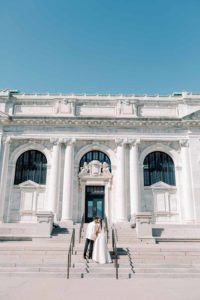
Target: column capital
[[7, 140], [184, 143], [119, 142], [133, 142], [54, 141], [68, 141]]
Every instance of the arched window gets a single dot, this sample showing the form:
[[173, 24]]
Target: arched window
[[158, 166], [31, 165], [95, 155]]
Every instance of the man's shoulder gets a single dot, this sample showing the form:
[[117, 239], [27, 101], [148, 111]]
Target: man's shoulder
[[91, 223]]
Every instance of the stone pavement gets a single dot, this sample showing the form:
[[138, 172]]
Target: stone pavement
[[99, 289]]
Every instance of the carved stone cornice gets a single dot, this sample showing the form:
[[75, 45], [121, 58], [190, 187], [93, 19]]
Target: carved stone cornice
[[100, 122], [96, 122]]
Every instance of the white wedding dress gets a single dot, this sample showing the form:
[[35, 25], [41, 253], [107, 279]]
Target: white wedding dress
[[100, 250]]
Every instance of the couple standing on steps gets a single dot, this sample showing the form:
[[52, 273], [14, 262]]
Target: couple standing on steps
[[96, 242]]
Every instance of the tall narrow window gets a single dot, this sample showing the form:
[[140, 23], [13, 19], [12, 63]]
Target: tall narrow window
[[158, 166], [95, 155], [31, 165]]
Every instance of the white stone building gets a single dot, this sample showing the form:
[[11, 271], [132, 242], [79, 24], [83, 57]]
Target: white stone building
[[113, 155]]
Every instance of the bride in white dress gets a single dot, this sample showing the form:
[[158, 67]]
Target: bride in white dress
[[100, 252]]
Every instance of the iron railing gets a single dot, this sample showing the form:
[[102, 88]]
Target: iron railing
[[115, 254], [70, 252], [81, 227]]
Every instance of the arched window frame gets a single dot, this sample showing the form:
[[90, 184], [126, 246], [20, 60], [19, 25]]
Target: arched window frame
[[158, 166], [95, 155], [31, 165]]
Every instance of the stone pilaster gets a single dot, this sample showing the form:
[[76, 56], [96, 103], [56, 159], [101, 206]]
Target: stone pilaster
[[120, 182], [187, 196], [68, 180], [53, 182], [134, 178], [4, 175]]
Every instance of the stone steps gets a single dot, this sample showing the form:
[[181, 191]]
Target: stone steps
[[47, 258]]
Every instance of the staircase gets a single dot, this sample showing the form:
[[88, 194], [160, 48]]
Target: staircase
[[48, 257], [86, 268], [38, 258], [164, 260]]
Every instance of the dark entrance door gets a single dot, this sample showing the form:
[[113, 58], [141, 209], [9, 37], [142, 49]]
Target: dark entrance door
[[94, 202]]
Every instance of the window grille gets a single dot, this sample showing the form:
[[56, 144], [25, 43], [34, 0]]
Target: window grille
[[31, 165], [95, 155], [158, 166]]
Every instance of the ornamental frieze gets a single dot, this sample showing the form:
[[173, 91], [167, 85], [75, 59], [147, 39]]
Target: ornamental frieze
[[101, 122]]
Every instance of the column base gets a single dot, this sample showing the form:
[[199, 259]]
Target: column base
[[121, 221], [189, 221], [66, 223]]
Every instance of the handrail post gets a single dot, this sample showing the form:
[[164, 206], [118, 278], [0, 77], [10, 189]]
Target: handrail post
[[70, 252], [81, 227], [68, 267], [115, 253]]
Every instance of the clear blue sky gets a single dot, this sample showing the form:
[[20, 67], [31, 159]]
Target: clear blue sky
[[100, 46]]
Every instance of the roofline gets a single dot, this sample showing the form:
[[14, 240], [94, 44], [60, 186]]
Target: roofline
[[7, 92]]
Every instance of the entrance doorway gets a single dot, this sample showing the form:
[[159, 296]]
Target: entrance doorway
[[94, 202]]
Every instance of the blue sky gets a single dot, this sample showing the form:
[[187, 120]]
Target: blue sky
[[100, 46]]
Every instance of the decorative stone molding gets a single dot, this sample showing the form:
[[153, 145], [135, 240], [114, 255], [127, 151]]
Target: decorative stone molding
[[45, 217], [160, 185], [101, 122], [144, 222], [7, 140], [184, 143], [95, 168], [133, 142], [105, 169], [67, 141], [118, 107], [144, 218], [4, 116], [193, 116], [44, 223], [55, 141], [21, 145], [119, 142]]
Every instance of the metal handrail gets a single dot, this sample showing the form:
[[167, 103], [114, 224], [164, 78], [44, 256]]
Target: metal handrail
[[70, 252], [114, 246], [81, 227]]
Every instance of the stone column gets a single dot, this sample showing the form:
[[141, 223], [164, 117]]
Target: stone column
[[120, 182], [68, 180], [1, 154], [53, 183], [187, 196], [81, 201], [4, 175], [134, 179]]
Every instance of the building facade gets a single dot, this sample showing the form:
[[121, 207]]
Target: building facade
[[113, 155]]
